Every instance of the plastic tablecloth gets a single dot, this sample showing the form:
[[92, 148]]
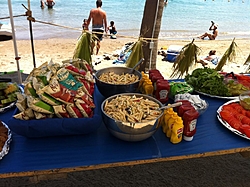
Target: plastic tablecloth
[[100, 147]]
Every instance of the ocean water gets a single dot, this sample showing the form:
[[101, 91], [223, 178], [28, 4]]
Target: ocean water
[[182, 19]]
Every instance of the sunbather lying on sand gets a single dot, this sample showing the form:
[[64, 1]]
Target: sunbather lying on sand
[[212, 57]]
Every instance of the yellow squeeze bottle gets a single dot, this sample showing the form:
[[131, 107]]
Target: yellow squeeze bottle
[[142, 81], [171, 123], [177, 131], [167, 115], [148, 87]]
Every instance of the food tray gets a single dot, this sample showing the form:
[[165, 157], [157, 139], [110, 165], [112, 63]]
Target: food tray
[[58, 126], [215, 96], [224, 123], [11, 105], [6, 146]]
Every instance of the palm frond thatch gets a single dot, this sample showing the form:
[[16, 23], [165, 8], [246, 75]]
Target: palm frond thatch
[[229, 56], [83, 47], [136, 54], [186, 58], [247, 60]]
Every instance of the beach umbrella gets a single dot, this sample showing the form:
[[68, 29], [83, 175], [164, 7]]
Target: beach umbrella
[[14, 42], [186, 58], [229, 55]]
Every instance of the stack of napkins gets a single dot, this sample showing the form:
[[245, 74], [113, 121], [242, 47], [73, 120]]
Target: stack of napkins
[[195, 100]]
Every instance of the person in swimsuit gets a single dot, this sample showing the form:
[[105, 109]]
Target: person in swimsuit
[[50, 3], [212, 57], [112, 29], [99, 23], [214, 28], [85, 25], [41, 4]]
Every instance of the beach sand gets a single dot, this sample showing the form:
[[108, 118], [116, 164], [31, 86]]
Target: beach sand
[[63, 49], [226, 170]]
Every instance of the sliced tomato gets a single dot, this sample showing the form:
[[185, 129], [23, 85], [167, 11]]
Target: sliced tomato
[[226, 115], [246, 130], [235, 123], [248, 113], [240, 117], [246, 121]]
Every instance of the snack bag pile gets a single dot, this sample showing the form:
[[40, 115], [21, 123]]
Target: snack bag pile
[[57, 91]]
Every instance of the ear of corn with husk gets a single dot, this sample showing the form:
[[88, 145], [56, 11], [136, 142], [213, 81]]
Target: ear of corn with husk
[[136, 54], [229, 55], [186, 58], [83, 47]]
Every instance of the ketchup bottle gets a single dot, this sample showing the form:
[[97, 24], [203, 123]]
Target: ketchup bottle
[[183, 108], [189, 120], [153, 72], [162, 90], [184, 102], [154, 79]]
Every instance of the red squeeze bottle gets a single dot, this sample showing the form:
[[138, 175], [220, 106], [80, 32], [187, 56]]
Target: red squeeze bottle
[[183, 108], [162, 90], [184, 102], [153, 71], [155, 78], [189, 120]]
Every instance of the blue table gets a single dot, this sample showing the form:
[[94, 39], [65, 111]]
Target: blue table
[[28, 157]]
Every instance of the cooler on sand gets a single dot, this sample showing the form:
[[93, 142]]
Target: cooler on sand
[[172, 52]]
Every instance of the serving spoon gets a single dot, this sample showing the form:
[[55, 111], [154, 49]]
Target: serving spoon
[[170, 106], [138, 63]]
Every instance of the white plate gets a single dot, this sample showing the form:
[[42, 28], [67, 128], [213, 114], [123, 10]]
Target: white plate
[[4, 109], [215, 96], [226, 124], [6, 146]]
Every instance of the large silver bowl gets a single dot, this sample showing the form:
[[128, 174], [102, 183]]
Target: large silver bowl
[[131, 131], [108, 90]]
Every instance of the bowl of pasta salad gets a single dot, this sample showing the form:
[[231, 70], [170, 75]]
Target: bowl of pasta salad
[[131, 116], [116, 80]]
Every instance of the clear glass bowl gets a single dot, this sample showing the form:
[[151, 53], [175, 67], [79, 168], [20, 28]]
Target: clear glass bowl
[[245, 100]]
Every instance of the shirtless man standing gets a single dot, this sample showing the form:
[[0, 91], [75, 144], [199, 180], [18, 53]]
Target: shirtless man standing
[[99, 22]]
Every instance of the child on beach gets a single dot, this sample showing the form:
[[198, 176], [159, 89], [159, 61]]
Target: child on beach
[[112, 30], [85, 25]]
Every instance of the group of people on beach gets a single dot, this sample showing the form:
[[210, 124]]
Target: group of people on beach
[[99, 24]]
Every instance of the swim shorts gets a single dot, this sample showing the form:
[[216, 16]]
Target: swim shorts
[[99, 35]]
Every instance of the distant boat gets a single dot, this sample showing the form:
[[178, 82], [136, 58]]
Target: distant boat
[[5, 32]]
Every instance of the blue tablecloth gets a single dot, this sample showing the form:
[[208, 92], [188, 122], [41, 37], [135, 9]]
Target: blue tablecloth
[[100, 147]]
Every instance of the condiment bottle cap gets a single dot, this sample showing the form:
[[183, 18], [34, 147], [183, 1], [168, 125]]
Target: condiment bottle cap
[[188, 138]]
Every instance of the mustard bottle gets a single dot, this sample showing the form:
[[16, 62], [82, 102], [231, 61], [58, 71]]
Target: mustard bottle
[[148, 87], [168, 114], [171, 123], [177, 131], [142, 81]]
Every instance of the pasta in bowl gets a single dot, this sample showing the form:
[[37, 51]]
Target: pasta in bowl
[[131, 116], [115, 80]]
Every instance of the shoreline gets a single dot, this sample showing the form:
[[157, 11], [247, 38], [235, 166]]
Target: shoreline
[[59, 49]]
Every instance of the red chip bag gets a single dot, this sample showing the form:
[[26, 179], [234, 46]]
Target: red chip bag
[[84, 108], [73, 111]]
